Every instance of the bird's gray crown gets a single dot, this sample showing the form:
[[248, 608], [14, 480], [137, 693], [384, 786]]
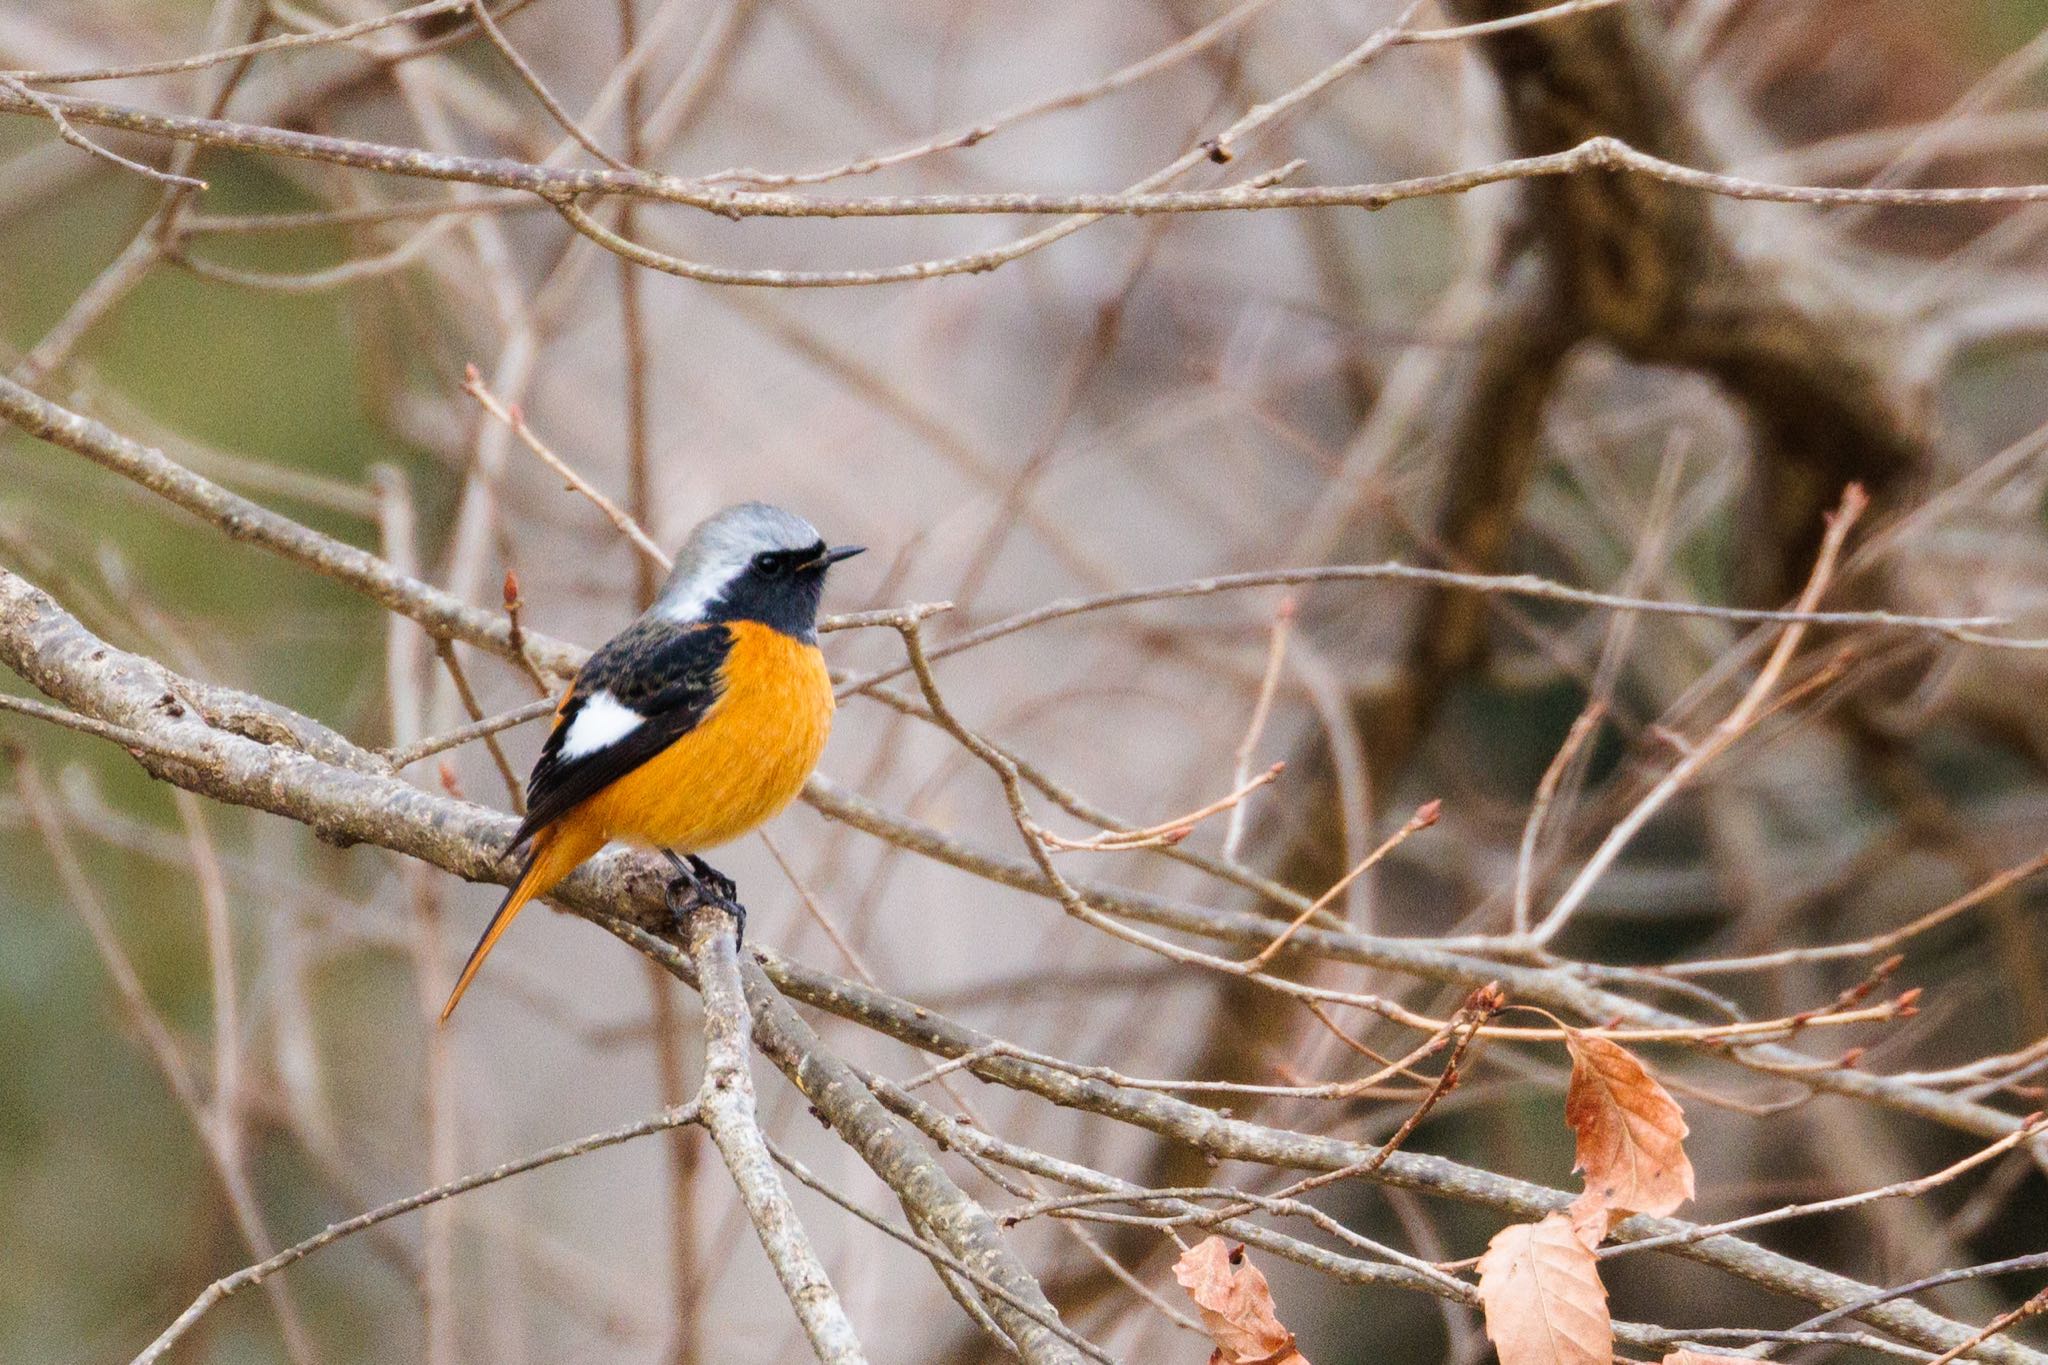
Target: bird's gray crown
[[720, 549]]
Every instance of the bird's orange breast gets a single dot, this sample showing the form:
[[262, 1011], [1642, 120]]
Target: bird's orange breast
[[742, 763]]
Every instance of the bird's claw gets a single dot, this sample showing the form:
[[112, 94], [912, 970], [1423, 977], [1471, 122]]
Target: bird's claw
[[723, 889], [698, 883]]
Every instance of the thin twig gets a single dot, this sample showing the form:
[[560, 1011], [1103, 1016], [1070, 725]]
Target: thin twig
[[334, 1232], [1512, 585], [515, 790], [490, 725], [1167, 833], [2033, 1306], [228, 1069], [531, 79], [1335, 1090], [515, 421], [1262, 708], [1584, 726], [285, 41], [347, 273], [1475, 1014], [1961, 1274], [134, 741], [1990, 889], [50, 110], [1166, 58], [1732, 727], [1425, 816], [1904, 1189]]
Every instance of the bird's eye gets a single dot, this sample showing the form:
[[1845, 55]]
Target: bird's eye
[[768, 564]]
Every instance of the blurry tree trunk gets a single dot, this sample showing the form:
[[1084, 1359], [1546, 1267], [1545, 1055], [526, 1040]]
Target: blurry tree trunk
[[1655, 272], [1658, 273]]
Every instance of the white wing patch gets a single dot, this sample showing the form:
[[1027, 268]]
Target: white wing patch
[[602, 720]]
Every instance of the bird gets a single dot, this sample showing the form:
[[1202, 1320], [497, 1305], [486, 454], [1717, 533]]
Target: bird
[[694, 725]]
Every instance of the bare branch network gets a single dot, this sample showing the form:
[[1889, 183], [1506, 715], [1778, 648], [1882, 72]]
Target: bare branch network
[[564, 189], [1334, 1047]]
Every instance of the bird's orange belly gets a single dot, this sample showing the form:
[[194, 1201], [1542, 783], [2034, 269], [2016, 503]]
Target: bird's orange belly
[[743, 762]]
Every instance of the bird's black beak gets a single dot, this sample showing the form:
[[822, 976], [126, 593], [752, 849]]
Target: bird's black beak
[[839, 552]]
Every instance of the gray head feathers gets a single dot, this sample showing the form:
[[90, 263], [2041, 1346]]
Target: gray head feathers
[[719, 550]]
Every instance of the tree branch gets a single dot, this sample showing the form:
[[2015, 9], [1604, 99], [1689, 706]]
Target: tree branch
[[726, 1100]]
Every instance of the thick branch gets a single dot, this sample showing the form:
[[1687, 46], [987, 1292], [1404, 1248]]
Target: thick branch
[[927, 1193], [726, 1100]]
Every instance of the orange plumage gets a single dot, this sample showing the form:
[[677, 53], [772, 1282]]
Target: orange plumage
[[744, 761]]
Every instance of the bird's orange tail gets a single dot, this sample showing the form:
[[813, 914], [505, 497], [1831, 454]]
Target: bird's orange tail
[[556, 852]]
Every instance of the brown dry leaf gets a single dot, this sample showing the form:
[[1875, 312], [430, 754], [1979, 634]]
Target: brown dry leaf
[[1631, 1133], [1696, 1358], [1236, 1305], [1544, 1302]]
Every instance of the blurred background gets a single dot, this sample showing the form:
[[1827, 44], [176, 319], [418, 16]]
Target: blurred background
[[1453, 380]]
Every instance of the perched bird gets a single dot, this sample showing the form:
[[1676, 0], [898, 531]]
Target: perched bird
[[691, 726]]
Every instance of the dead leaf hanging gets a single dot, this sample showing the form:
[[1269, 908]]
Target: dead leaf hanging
[[1544, 1302], [1631, 1133], [1236, 1305]]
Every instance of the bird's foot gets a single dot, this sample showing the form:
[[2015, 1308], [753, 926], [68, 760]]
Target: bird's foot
[[699, 883], [723, 889]]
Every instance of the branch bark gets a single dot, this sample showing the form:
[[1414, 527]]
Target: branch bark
[[726, 1100], [930, 1196]]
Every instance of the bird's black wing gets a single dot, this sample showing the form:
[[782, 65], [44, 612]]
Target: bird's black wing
[[667, 674]]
